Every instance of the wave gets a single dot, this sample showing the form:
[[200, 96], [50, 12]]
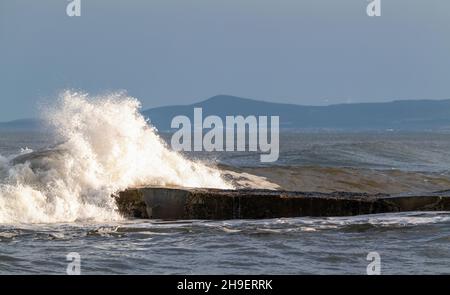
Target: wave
[[329, 179], [106, 146]]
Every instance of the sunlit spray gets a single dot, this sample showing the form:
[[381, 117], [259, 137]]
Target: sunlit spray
[[106, 146]]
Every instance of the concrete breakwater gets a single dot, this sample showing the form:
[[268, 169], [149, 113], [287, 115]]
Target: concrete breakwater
[[187, 203]]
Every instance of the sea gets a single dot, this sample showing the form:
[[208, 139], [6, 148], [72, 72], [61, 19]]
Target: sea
[[56, 199]]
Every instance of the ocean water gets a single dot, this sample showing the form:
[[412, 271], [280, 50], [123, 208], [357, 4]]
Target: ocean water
[[389, 162], [59, 201], [412, 243]]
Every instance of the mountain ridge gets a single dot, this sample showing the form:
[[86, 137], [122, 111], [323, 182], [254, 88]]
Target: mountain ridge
[[423, 114], [398, 114]]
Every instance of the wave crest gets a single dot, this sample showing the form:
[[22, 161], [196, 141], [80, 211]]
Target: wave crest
[[106, 146]]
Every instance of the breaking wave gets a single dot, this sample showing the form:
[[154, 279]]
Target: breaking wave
[[106, 146]]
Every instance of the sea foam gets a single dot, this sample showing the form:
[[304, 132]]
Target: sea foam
[[106, 146]]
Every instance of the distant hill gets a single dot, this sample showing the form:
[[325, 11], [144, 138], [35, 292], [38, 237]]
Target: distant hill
[[397, 115], [22, 125]]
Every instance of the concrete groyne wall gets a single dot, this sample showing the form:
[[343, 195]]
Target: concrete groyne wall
[[185, 203]]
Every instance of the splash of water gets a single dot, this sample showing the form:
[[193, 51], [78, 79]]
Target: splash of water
[[107, 146]]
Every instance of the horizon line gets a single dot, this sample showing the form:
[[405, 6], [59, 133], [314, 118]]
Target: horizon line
[[257, 100]]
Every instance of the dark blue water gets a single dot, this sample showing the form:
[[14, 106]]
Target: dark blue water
[[413, 243], [408, 243]]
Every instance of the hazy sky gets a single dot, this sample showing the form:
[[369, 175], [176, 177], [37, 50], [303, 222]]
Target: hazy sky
[[181, 51]]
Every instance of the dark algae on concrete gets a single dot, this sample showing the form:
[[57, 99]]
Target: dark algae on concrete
[[200, 203]]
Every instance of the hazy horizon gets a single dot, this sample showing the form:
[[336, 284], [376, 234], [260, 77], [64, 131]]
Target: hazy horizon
[[247, 98], [173, 52]]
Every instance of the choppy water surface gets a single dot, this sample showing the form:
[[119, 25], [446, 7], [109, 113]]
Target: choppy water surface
[[408, 243]]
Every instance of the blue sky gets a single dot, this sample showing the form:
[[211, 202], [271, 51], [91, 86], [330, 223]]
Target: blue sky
[[165, 52]]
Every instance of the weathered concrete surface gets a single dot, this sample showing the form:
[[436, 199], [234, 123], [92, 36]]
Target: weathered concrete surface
[[177, 203]]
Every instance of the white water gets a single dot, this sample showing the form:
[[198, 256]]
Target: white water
[[107, 146]]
